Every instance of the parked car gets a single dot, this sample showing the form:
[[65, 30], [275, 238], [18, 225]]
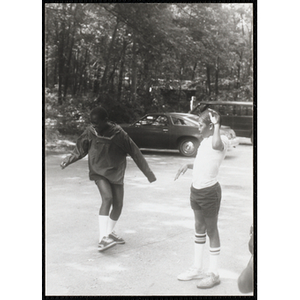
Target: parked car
[[236, 115], [171, 131]]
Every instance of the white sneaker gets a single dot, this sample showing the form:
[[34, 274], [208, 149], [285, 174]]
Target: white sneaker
[[210, 281], [192, 273]]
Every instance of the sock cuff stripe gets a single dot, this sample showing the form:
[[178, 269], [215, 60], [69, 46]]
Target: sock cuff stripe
[[200, 234], [214, 251], [200, 242]]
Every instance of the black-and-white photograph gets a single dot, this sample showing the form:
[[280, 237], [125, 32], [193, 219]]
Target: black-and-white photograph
[[150, 149]]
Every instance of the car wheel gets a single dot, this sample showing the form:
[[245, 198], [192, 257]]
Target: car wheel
[[188, 147]]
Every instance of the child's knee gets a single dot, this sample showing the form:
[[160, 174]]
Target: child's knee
[[107, 201], [212, 231], [200, 227]]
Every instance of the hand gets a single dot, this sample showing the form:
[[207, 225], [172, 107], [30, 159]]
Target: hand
[[64, 163], [152, 178], [214, 117], [182, 170]]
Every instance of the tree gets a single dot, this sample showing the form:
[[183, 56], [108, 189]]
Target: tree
[[113, 53]]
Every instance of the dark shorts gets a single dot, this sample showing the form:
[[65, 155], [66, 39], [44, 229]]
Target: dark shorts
[[208, 199], [99, 177]]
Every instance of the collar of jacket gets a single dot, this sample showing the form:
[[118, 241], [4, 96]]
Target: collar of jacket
[[113, 130]]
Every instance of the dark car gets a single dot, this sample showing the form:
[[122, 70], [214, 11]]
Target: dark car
[[235, 114], [170, 131]]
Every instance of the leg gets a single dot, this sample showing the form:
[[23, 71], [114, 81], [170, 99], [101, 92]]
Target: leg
[[211, 212], [106, 195], [196, 271], [200, 238], [117, 201], [212, 231], [212, 278], [117, 205], [200, 224], [105, 190]]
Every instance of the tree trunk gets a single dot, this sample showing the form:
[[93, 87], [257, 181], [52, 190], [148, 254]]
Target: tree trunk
[[104, 77], [75, 72], [194, 71], [81, 73], [96, 81], [67, 69], [133, 69], [147, 81], [208, 80], [217, 77], [46, 51], [121, 71], [61, 62]]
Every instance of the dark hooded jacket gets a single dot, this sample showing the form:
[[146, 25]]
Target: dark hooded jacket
[[107, 154]]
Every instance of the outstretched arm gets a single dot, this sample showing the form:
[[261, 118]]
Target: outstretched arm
[[217, 143], [183, 169], [133, 150], [80, 151]]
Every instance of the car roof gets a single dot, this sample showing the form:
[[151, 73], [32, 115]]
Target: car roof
[[173, 114], [227, 102]]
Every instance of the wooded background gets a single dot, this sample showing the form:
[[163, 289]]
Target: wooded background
[[135, 58]]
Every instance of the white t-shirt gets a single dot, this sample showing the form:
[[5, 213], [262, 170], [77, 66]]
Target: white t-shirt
[[207, 163]]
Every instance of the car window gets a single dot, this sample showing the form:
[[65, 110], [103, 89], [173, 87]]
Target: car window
[[153, 120], [161, 121], [178, 121], [182, 121]]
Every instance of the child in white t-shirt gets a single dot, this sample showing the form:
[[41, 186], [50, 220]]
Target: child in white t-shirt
[[205, 198]]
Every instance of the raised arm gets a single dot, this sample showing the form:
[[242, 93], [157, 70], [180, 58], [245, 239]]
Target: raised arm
[[217, 143]]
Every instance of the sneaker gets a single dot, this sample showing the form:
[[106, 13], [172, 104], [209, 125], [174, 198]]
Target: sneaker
[[106, 243], [116, 238], [209, 281], [191, 273]]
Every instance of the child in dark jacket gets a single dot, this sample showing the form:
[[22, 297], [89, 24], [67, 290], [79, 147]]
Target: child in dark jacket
[[107, 146]]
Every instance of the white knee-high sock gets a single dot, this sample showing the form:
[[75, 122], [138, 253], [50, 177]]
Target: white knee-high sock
[[214, 254], [110, 225], [199, 245], [103, 220]]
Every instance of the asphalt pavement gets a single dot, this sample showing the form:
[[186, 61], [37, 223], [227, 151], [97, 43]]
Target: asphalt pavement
[[156, 223]]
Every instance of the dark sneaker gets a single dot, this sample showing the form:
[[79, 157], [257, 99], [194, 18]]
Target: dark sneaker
[[116, 238], [191, 273], [208, 282], [106, 243]]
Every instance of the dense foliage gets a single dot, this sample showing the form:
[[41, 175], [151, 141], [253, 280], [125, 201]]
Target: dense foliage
[[136, 58]]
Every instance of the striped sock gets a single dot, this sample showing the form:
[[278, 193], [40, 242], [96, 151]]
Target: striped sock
[[213, 260], [200, 239]]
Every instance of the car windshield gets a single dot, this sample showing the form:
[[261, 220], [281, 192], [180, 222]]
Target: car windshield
[[185, 121]]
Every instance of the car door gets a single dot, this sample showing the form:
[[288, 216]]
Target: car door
[[152, 131], [243, 119]]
